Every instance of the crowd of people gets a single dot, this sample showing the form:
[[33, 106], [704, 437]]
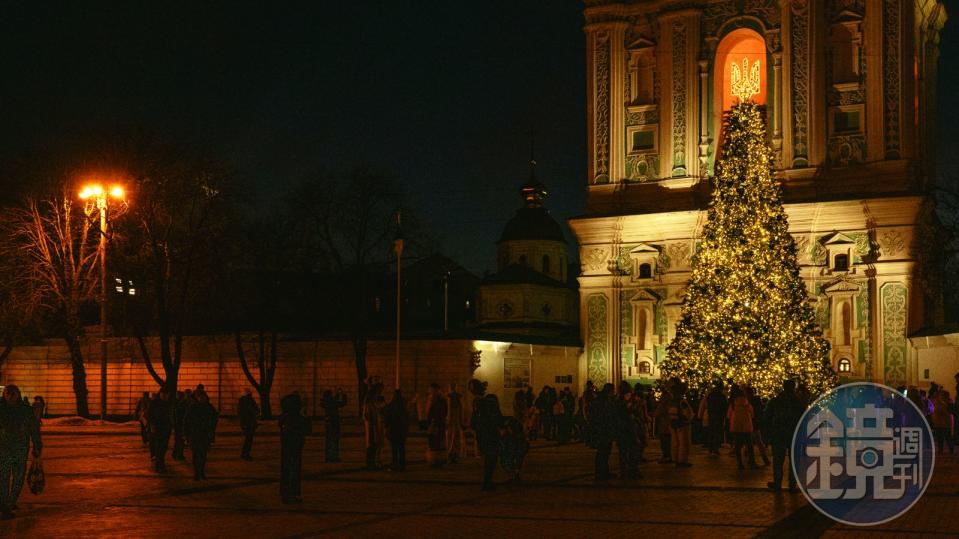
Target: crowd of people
[[628, 417], [191, 420]]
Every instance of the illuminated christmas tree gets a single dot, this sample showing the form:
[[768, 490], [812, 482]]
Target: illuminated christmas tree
[[745, 316]]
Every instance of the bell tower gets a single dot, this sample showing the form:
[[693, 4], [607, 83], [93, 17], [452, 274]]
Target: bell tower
[[849, 88]]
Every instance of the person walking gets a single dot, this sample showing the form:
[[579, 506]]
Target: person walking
[[485, 422], [372, 423], [160, 418], [513, 448], [759, 424], [627, 435], [294, 428], [436, 416], [199, 426], [602, 422], [741, 427], [39, 408], [783, 413], [331, 404], [140, 415], [248, 412], [455, 419], [19, 429], [661, 425], [943, 421], [680, 415], [716, 406], [397, 419], [180, 406]]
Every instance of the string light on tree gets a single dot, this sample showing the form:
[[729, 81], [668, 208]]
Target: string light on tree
[[745, 315]]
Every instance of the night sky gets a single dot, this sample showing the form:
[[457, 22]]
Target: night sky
[[440, 95]]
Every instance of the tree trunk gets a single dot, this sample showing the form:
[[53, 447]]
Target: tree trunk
[[79, 375], [265, 411], [359, 356]]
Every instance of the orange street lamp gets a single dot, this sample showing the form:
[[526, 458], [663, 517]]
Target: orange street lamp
[[98, 198]]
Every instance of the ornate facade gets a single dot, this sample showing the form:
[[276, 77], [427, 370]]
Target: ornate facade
[[849, 87]]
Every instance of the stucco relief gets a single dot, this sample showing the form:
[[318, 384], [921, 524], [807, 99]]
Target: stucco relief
[[894, 332], [596, 347], [892, 243]]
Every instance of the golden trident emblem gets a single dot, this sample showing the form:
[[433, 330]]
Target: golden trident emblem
[[742, 86]]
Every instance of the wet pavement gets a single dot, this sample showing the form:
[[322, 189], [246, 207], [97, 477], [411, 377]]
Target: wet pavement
[[101, 485]]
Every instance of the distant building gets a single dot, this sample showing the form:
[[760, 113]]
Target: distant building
[[531, 292]]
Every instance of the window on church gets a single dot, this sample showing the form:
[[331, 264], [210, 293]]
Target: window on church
[[643, 141], [645, 271], [644, 367], [546, 264], [841, 263], [846, 121], [845, 365]]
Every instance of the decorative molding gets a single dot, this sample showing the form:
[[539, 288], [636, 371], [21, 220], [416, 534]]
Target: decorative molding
[[892, 244], [594, 259], [642, 167], [893, 297], [846, 149], [679, 100], [597, 368], [892, 75], [602, 106], [799, 51]]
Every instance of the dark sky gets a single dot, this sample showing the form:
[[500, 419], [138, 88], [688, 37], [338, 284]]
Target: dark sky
[[442, 95]]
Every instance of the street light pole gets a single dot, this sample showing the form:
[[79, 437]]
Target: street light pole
[[398, 249], [102, 205], [98, 198]]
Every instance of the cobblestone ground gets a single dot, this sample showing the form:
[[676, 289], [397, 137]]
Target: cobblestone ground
[[102, 486]]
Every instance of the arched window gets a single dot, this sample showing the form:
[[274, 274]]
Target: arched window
[[645, 271], [740, 46], [845, 365], [644, 367], [546, 264], [841, 263]]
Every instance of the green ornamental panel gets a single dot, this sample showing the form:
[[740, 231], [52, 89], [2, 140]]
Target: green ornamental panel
[[893, 298], [597, 350]]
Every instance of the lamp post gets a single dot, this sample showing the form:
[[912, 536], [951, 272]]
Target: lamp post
[[398, 250], [97, 198]]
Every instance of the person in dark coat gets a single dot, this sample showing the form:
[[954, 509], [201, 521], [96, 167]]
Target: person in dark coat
[[18, 429], [248, 412], [199, 426], [294, 428], [140, 414], [783, 413], [397, 428], [486, 422], [179, 420], [160, 419], [716, 407], [332, 403], [436, 428], [603, 421]]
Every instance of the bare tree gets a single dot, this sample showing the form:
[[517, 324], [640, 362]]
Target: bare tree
[[172, 240], [259, 299], [59, 244], [350, 226]]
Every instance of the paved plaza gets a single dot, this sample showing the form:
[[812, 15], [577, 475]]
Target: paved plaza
[[101, 485]]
